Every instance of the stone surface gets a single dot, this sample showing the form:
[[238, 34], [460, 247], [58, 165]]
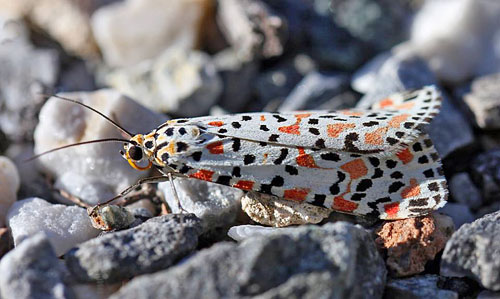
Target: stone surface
[[216, 205], [381, 24], [179, 81], [60, 19], [474, 251], [336, 260], [9, 185], [110, 217], [459, 213], [488, 295], [484, 101], [5, 241], [251, 28], [93, 172], [403, 70], [123, 30], [411, 242], [486, 171], [458, 48], [463, 190], [65, 226], [271, 210], [154, 245], [242, 232], [315, 89], [418, 287], [32, 270]]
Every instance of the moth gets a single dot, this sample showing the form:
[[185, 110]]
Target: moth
[[377, 162]]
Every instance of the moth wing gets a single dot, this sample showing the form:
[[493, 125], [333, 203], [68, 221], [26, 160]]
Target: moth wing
[[388, 128]]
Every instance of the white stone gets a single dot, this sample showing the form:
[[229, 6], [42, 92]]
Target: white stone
[[216, 205], [134, 30], [179, 81], [93, 172], [65, 226], [365, 77], [458, 38], [242, 232], [9, 185]]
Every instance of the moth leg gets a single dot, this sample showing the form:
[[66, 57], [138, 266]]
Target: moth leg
[[176, 196]]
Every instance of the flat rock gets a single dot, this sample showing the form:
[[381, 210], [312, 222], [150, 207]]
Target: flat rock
[[418, 287], [154, 245], [124, 42], [216, 205], [316, 262], [411, 242], [271, 210], [463, 190], [32, 270], [9, 185], [93, 172], [484, 101], [65, 226], [179, 81], [474, 251]]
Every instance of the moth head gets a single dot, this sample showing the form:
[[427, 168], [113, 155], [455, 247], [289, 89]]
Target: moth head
[[136, 153]]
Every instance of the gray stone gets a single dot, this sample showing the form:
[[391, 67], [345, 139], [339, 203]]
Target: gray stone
[[251, 28], [484, 101], [418, 287], [474, 251], [216, 205], [460, 213], [464, 191], [314, 89], [32, 270], [486, 171], [336, 260], [154, 245], [403, 70], [488, 295]]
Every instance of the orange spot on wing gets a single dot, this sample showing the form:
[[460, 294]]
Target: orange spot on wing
[[406, 105], [376, 137], [293, 129], [302, 115], [412, 190], [202, 174], [392, 209], [171, 148], [298, 194], [351, 113], [305, 160], [339, 203], [405, 156], [244, 185], [216, 123], [386, 102], [396, 121], [334, 130], [215, 148], [355, 168], [262, 118]]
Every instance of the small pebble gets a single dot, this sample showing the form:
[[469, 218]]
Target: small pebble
[[9, 185], [242, 232], [65, 226], [484, 101], [464, 191]]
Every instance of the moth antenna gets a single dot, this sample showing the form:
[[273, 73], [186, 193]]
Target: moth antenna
[[77, 144], [94, 110]]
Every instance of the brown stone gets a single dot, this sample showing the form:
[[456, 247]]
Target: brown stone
[[5, 241], [412, 242]]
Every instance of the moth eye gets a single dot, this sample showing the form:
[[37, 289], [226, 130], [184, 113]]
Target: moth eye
[[135, 153]]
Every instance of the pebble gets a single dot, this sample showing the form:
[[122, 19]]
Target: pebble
[[458, 48], [473, 251], [25, 72], [179, 81], [110, 217], [380, 24], [417, 287], [65, 226], [32, 270], [152, 246], [412, 242], [123, 29], [96, 172], [484, 101], [463, 191], [9, 185], [488, 295], [403, 70], [486, 171], [5, 241], [273, 211], [459, 213], [216, 205], [314, 89], [306, 260], [242, 232], [251, 29]]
